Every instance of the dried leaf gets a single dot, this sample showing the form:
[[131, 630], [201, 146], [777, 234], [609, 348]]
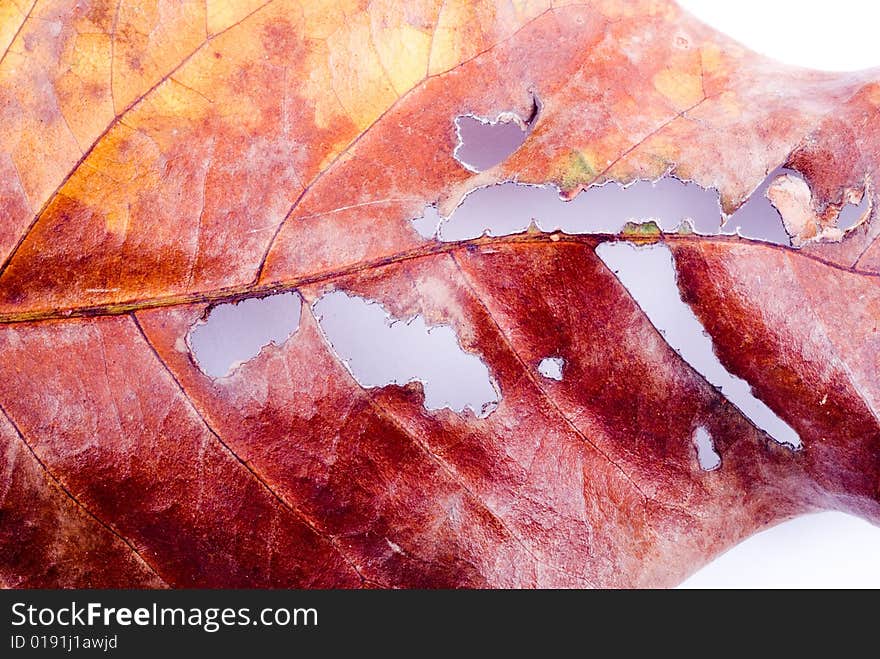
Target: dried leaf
[[159, 158]]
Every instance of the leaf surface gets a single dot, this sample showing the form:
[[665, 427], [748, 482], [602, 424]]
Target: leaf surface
[[159, 158]]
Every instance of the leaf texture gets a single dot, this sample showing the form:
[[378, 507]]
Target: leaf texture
[[158, 158]]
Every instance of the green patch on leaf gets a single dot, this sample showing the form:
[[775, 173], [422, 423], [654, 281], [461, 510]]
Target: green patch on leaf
[[641, 229], [579, 171]]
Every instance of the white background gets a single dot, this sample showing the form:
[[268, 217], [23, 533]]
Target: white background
[[830, 550], [834, 35]]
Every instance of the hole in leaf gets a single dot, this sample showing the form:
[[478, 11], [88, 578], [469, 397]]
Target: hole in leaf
[[648, 273], [851, 214], [551, 367], [428, 224], [707, 456], [484, 143], [379, 350], [508, 208], [234, 333], [757, 218]]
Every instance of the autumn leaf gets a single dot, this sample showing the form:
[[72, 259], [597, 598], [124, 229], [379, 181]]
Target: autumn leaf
[[158, 159]]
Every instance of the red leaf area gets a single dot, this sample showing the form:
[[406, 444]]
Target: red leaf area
[[153, 165]]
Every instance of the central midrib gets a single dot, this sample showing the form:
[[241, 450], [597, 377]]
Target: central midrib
[[236, 293]]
